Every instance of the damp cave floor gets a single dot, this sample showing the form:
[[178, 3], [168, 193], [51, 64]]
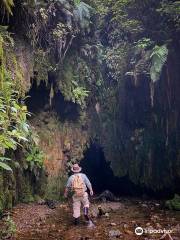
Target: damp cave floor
[[39, 222]]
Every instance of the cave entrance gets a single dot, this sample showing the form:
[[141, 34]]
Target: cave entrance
[[39, 100], [101, 175], [38, 97]]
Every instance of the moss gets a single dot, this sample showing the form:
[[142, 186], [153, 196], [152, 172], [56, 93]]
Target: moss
[[55, 187], [1, 202], [25, 191], [27, 197], [37, 198], [41, 185], [8, 195], [173, 204], [41, 66]]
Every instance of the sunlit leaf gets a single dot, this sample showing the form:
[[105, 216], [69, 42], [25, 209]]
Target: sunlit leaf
[[5, 166]]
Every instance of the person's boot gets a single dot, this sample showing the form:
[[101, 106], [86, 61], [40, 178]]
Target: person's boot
[[89, 221], [90, 224], [76, 221]]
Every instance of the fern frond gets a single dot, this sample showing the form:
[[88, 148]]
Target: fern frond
[[158, 59], [8, 5]]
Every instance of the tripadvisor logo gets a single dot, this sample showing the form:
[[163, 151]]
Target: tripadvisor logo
[[139, 231]]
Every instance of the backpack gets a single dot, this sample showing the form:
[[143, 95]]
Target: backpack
[[78, 185]]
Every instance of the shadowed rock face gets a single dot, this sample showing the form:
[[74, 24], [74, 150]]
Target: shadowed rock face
[[62, 143], [142, 141]]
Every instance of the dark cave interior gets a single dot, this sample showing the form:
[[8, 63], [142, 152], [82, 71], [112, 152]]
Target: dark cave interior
[[98, 170], [39, 100], [101, 175]]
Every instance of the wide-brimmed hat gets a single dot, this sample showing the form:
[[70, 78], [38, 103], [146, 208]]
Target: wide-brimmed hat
[[76, 168]]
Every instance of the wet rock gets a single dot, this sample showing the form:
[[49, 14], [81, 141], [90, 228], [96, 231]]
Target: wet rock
[[107, 196], [144, 205], [154, 218], [42, 218], [114, 233], [51, 203], [101, 210], [106, 215], [125, 226], [127, 231], [41, 202], [113, 224]]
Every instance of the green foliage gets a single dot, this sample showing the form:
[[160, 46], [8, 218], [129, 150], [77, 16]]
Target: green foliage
[[82, 14], [173, 204], [9, 228], [34, 156], [116, 58], [122, 20], [158, 59], [79, 95], [55, 187], [8, 4], [129, 30], [143, 43], [171, 10], [4, 165], [75, 75], [42, 65], [60, 31], [13, 123]]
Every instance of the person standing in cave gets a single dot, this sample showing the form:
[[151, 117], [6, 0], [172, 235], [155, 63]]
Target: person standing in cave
[[78, 184]]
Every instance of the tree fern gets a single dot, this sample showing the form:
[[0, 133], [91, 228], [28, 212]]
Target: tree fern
[[158, 59]]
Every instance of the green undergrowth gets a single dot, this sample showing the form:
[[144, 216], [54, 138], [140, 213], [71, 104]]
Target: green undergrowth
[[9, 229], [173, 204], [55, 187]]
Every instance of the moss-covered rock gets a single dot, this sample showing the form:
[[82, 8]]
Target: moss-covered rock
[[55, 187], [2, 200], [6, 194], [173, 204]]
